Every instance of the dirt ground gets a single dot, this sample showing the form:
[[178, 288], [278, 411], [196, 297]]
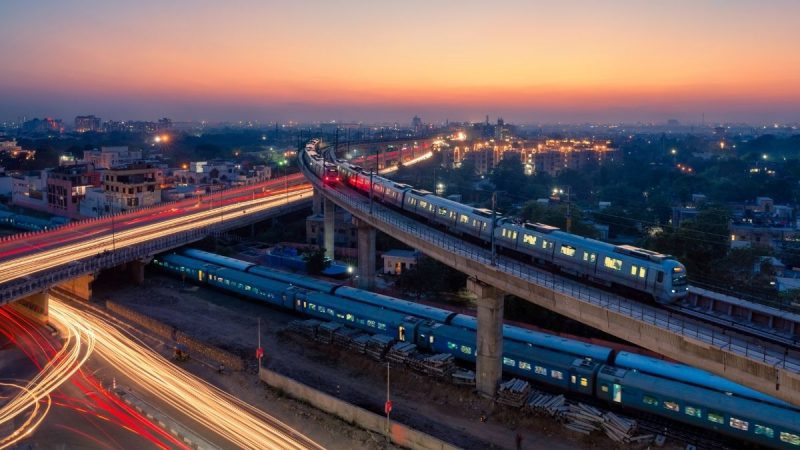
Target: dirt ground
[[448, 412]]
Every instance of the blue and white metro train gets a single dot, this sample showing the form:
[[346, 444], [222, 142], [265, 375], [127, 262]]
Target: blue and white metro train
[[633, 381], [657, 275]]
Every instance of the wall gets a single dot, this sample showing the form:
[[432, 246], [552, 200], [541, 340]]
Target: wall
[[400, 434]]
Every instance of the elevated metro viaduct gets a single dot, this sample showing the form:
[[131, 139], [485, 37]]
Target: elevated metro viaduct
[[132, 250], [672, 336]]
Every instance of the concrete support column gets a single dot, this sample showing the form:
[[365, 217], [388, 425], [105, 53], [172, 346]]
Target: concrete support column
[[80, 287], [366, 255], [489, 359], [316, 203], [330, 227], [136, 271], [34, 306]]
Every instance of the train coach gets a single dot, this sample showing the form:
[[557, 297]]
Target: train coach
[[633, 269], [720, 408]]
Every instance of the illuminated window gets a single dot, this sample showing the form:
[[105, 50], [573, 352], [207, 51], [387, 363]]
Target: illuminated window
[[634, 269], [584, 382], [509, 362], [529, 239], [590, 257], [451, 346], [557, 374], [540, 370], [423, 204], [672, 406], [513, 235], [604, 388], [716, 418], [524, 365], [568, 250], [467, 350], [790, 438], [371, 323], [642, 272], [464, 219], [350, 317], [612, 263], [647, 400], [739, 424], [765, 431], [442, 211], [381, 326]]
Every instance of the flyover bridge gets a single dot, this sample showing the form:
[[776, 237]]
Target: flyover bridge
[[30, 263], [770, 368]]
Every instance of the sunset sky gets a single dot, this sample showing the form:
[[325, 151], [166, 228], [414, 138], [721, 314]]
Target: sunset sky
[[528, 61]]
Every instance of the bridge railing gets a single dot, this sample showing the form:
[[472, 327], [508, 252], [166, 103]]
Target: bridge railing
[[717, 337]]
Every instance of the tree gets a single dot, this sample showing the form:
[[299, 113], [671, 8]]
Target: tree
[[316, 261]]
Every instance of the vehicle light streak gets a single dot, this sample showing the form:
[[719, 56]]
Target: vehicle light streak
[[35, 262], [213, 409]]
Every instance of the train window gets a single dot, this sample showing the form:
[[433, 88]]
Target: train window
[[617, 395], [612, 263], [466, 349], [371, 323], [604, 388], [401, 333], [647, 400], [790, 438], [541, 370], [584, 382], [529, 239], [765, 431], [642, 272], [672, 406], [634, 269], [381, 326], [350, 317], [716, 418], [423, 204], [573, 379], [568, 250], [509, 362], [547, 245], [442, 211], [464, 218], [660, 277], [739, 424], [451, 346], [590, 257], [524, 365], [312, 306], [557, 374], [513, 235]]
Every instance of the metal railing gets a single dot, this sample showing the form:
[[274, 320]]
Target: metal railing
[[773, 355]]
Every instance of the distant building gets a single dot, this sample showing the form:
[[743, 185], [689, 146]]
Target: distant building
[[553, 156], [109, 157], [46, 125], [84, 124], [67, 186], [133, 186], [29, 189], [395, 262], [417, 125]]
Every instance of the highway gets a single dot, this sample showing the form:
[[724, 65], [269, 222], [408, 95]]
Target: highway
[[82, 243], [201, 405]]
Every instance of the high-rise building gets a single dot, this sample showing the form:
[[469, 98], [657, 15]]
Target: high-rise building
[[85, 124]]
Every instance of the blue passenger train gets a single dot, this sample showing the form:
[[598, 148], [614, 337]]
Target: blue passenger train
[[632, 381]]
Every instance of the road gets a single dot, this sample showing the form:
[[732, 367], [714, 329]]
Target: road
[[90, 242], [195, 403]]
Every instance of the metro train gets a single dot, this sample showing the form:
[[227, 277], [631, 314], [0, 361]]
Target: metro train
[[656, 275], [631, 381]]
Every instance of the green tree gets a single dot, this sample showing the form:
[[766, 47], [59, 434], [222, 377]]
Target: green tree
[[316, 261]]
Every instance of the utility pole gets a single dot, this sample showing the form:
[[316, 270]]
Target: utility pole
[[569, 215], [491, 238], [259, 350], [388, 406]]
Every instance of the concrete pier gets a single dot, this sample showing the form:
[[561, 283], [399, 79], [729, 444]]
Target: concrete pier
[[489, 359], [35, 306], [330, 227], [366, 255]]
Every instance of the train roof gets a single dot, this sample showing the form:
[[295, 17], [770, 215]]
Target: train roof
[[223, 261], [786, 419], [290, 278], [338, 305], [252, 280], [384, 301], [191, 263], [688, 374], [542, 340], [641, 253]]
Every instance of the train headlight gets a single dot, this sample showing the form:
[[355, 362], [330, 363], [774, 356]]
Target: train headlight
[[673, 291]]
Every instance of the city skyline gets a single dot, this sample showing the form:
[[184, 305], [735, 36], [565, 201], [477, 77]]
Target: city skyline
[[526, 62]]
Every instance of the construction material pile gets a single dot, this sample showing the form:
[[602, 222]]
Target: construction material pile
[[401, 352], [359, 343], [377, 346], [545, 404], [464, 377], [513, 392], [325, 332], [440, 365], [344, 335], [307, 328]]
